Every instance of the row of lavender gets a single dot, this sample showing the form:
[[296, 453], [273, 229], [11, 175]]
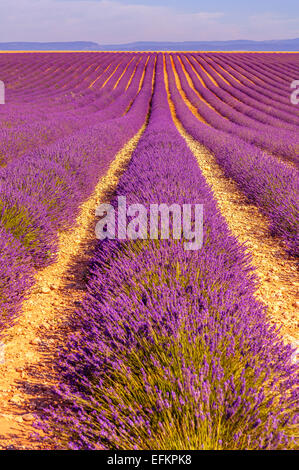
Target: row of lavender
[[256, 105], [170, 348], [19, 139], [37, 76], [271, 69], [283, 142], [256, 83], [61, 88], [259, 97], [40, 194], [255, 109], [29, 76], [27, 102], [267, 182]]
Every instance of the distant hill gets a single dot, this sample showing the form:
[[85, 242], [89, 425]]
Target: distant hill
[[289, 45], [240, 45], [49, 46]]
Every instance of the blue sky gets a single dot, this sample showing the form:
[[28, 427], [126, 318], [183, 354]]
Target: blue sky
[[121, 21]]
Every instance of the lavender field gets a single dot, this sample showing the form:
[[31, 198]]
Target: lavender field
[[139, 343]]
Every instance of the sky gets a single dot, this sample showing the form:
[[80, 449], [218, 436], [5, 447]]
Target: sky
[[123, 21]]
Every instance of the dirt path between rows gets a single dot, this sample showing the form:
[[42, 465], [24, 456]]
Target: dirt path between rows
[[277, 271], [28, 368]]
